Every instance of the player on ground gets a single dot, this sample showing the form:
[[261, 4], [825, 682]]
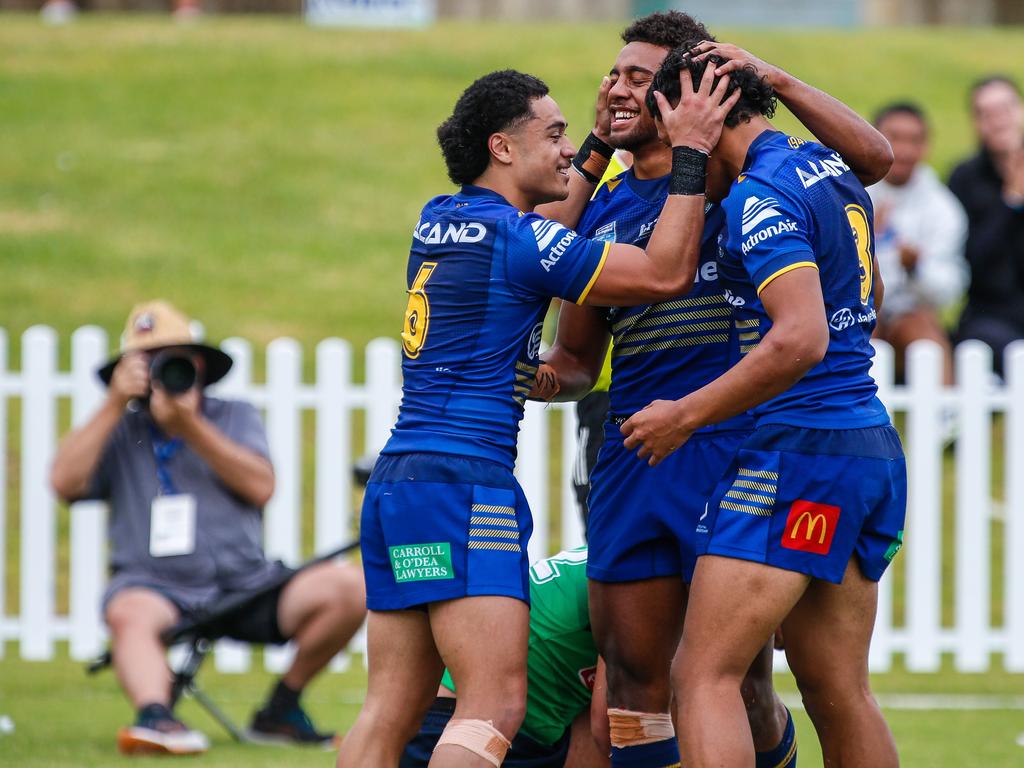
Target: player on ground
[[643, 519], [445, 525], [810, 512], [562, 672]]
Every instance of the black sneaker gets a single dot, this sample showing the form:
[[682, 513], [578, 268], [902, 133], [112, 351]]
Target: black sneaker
[[292, 726], [156, 730]]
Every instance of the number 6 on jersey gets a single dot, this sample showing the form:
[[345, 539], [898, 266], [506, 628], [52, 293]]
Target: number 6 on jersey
[[417, 312]]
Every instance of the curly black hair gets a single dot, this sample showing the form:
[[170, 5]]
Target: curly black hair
[[669, 29], [499, 101], [758, 98]]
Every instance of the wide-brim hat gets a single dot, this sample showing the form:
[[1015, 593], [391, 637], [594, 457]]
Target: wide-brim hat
[[158, 325]]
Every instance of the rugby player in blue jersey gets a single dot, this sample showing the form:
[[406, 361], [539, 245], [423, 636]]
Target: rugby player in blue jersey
[[643, 519], [445, 526], [809, 514]]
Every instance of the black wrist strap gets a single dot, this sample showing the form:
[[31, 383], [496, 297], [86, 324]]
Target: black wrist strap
[[592, 159], [689, 171]]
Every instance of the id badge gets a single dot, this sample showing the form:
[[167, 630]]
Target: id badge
[[172, 525]]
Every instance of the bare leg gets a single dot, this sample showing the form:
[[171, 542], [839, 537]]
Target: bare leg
[[320, 608], [827, 637], [735, 607], [583, 750], [484, 642], [405, 669], [637, 625], [136, 617], [765, 711]]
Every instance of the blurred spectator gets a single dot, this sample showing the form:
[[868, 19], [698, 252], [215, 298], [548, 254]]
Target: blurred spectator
[[186, 476], [991, 187], [65, 11], [919, 239]]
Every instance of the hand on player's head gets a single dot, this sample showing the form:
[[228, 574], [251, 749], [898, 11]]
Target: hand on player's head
[[698, 117], [733, 59], [756, 95]]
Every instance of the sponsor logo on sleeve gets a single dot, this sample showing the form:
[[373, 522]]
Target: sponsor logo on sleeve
[[464, 232], [547, 232], [816, 170], [810, 527], [756, 211]]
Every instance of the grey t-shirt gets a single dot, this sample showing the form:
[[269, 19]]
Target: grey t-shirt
[[228, 555]]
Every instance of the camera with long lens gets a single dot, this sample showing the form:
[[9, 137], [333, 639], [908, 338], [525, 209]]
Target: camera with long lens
[[174, 370]]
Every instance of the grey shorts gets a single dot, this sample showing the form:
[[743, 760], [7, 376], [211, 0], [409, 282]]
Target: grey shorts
[[253, 622]]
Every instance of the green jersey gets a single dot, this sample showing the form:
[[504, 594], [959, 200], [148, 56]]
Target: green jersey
[[562, 658]]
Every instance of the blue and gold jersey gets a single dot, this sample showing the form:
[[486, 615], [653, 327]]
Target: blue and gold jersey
[[798, 204], [480, 277], [669, 349]]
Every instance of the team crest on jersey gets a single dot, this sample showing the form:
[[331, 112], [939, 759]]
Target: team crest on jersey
[[756, 210], [607, 233]]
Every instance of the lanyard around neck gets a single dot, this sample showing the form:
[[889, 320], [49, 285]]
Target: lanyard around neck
[[163, 451]]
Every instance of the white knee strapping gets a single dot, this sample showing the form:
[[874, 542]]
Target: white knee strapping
[[478, 736], [631, 729]]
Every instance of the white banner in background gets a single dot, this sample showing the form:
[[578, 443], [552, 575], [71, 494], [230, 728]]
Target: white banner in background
[[370, 13]]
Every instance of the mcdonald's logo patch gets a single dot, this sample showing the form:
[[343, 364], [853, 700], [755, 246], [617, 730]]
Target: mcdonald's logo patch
[[810, 527]]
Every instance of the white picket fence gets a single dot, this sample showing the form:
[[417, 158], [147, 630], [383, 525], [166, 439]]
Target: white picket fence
[[333, 398]]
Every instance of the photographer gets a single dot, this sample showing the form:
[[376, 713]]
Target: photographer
[[186, 477]]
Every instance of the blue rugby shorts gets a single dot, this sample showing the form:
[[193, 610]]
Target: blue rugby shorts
[[808, 500], [642, 518], [437, 527]]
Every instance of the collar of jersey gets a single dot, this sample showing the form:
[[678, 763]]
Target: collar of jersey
[[652, 190], [755, 146], [469, 190]]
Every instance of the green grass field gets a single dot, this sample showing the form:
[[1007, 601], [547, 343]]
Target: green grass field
[[65, 720], [265, 177]]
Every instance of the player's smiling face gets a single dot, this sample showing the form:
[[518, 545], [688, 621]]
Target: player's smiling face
[[543, 153], [632, 126]]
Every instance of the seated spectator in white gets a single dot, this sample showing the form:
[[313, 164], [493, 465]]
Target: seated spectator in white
[[186, 476], [920, 229], [990, 186]]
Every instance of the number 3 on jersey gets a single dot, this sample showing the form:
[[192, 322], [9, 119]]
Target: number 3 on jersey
[[861, 229], [417, 313]]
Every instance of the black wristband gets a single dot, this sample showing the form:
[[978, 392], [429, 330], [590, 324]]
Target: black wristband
[[689, 171], [592, 159]]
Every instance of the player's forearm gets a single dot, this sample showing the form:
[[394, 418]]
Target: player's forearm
[[835, 125], [244, 472], [674, 248], [80, 451], [575, 376], [776, 364]]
